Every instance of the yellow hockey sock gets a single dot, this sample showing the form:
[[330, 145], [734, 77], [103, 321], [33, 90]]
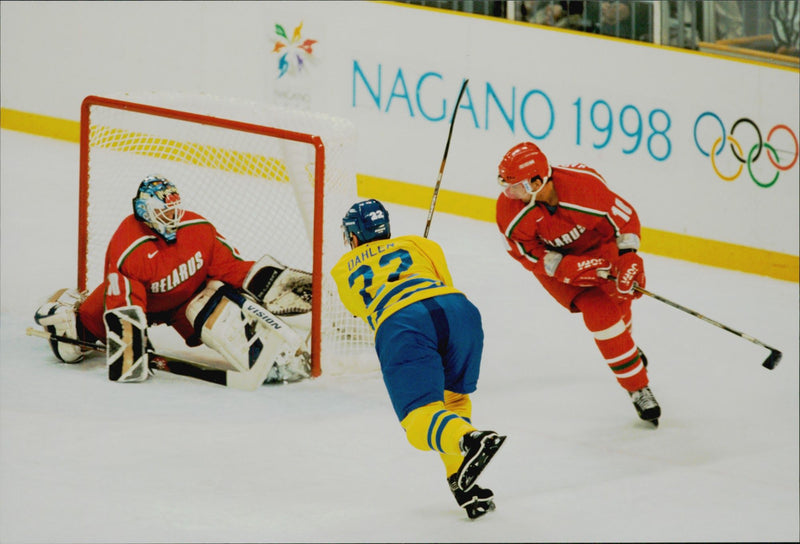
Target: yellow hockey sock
[[433, 427], [458, 403], [461, 405]]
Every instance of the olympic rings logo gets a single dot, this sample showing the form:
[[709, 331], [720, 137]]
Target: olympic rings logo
[[752, 155]]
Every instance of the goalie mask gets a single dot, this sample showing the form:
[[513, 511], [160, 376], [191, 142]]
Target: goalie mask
[[368, 220], [158, 205], [524, 163]]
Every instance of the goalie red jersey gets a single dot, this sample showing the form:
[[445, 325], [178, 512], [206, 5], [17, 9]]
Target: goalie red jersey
[[143, 269], [168, 265], [588, 219]]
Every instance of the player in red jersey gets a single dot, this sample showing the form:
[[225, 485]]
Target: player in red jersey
[[168, 265], [566, 226]]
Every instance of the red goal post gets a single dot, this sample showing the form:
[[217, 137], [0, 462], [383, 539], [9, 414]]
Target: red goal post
[[271, 180]]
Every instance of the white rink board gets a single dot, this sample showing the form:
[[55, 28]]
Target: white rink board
[[396, 70]]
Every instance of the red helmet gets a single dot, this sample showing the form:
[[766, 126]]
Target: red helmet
[[523, 162]]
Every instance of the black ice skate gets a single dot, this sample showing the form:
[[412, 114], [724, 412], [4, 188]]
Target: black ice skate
[[477, 501], [478, 448], [646, 405]]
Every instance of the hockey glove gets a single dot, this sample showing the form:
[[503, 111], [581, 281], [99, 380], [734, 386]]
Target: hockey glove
[[282, 290], [577, 270], [630, 272]]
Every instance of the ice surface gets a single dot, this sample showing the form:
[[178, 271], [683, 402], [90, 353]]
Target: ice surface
[[177, 460]]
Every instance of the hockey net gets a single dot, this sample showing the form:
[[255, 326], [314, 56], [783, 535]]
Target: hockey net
[[271, 180]]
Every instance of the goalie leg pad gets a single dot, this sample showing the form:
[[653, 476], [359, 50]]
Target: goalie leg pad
[[127, 358], [282, 290], [221, 323], [59, 316]]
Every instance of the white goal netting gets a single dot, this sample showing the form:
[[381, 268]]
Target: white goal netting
[[257, 172]]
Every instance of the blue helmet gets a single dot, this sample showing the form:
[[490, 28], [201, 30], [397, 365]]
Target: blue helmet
[[368, 220], [158, 204]]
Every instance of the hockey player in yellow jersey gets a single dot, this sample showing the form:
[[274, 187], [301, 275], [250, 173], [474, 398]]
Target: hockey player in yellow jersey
[[429, 340]]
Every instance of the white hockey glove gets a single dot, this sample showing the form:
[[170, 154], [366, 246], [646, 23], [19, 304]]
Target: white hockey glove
[[282, 290]]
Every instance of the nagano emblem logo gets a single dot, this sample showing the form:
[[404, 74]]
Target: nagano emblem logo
[[293, 53]]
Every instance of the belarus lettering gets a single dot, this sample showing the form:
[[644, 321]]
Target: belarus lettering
[[179, 274], [566, 239]]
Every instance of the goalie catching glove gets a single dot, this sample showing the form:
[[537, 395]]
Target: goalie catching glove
[[282, 290]]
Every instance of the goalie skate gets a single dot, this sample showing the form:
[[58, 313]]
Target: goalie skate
[[58, 316], [289, 368]]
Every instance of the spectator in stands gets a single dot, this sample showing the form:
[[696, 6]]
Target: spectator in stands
[[559, 14], [785, 18], [728, 21], [621, 18], [683, 24]]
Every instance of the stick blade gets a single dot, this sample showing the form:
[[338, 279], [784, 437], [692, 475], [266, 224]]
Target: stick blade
[[773, 359]]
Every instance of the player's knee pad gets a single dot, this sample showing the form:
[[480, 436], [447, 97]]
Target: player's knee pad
[[127, 357], [282, 290], [59, 316], [432, 427], [218, 319]]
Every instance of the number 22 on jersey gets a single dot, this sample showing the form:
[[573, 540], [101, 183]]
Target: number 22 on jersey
[[390, 269]]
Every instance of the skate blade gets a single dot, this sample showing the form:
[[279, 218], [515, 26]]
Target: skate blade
[[476, 511]]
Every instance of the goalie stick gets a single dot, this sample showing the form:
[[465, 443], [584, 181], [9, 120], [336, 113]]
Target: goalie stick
[[770, 362], [246, 381], [444, 159]]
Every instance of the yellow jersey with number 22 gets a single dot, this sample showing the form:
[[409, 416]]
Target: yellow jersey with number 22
[[378, 278]]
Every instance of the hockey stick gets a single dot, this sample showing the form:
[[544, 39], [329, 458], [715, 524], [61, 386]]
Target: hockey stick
[[174, 365], [770, 362], [444, 158]]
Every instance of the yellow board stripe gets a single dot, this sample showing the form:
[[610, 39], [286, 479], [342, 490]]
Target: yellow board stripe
[[40, 125], [657, 242]]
